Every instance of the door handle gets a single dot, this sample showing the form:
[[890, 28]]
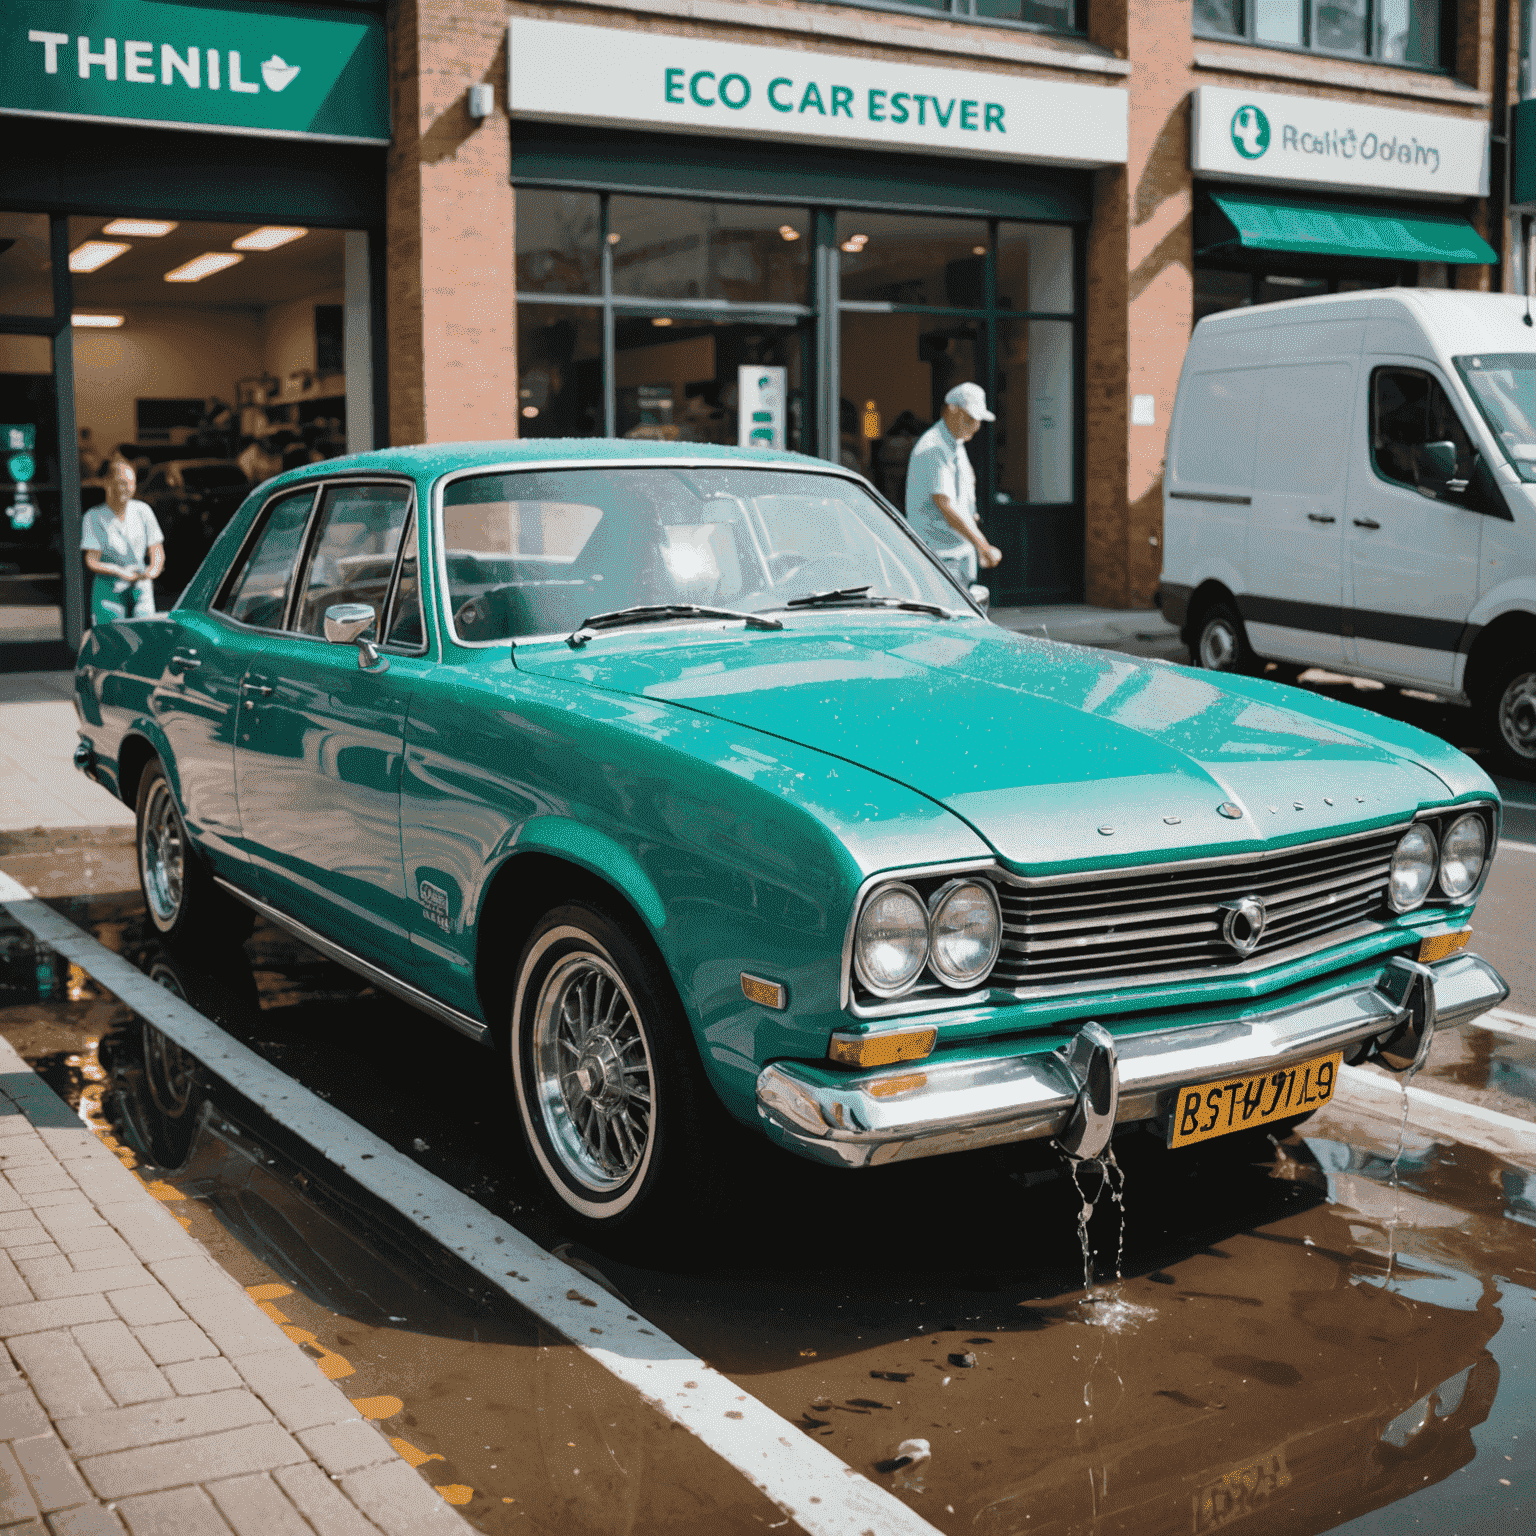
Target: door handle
[[184, 661], [264, 689], [1319, 517], [1366, 522]]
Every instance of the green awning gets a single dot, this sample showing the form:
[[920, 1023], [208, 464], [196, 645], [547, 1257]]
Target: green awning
[[1326, 229]]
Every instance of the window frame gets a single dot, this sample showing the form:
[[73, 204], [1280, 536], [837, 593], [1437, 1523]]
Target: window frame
[[1446, 46], [247, 548], [1457, 502], [964, 10]]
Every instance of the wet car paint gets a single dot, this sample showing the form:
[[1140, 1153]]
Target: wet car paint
[[1257, 1364]]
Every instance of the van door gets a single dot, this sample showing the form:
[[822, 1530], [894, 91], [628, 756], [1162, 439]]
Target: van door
[[1293, 607], [1414, 544]]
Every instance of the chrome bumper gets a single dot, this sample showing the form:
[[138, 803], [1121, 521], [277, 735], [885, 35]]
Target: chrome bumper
[[956, 1106]]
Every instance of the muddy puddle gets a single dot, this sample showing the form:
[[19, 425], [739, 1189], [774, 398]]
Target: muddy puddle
[[1298, 1343]]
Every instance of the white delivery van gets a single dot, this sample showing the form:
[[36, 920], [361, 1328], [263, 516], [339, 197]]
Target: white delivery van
[[1351, 484]]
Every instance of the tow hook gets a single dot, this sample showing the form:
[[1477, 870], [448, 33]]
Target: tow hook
[[1412, 987], [85, 758], [1091, 1060]]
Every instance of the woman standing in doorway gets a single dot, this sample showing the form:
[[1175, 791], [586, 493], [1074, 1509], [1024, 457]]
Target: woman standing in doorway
[[124, 548]]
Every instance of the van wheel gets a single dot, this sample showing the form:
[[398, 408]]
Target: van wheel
[[1507, 718], [1221, 642]]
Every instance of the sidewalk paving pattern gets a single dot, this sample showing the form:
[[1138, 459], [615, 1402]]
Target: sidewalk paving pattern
[[141, 1389]]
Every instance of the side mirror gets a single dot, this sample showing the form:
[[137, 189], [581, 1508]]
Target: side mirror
[[348, 624], [1439, 464], [981, 596]]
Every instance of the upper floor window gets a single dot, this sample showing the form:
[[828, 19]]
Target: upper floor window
[[1414, 32], [1046, 15]]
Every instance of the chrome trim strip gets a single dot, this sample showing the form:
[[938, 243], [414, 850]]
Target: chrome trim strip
[[364, 968], [965, 1104]]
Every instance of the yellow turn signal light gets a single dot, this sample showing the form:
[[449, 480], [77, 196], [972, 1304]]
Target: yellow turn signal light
[[884, 1048], [889, 1087], [1441, 945], [771, 994]]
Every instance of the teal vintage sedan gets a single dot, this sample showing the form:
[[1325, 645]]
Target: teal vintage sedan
[[686, 780]]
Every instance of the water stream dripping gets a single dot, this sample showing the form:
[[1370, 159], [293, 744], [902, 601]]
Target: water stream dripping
[[1393, 1180]]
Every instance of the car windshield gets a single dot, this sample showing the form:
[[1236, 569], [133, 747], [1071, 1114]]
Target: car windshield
[[536, 552], [1504, 386], [213, 477]]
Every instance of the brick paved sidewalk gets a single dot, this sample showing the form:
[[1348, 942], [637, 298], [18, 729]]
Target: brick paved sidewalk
[[141, 1389]]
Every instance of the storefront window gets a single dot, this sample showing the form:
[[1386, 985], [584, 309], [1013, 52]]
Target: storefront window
[[669, 248], [1034, 411], [26, 274], [1034, 268], [892, 258], [560, 370], [559, 243], [1043, 15], [1417, 32]]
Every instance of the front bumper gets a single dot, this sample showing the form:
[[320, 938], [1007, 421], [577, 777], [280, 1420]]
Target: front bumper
[[922, 1109]]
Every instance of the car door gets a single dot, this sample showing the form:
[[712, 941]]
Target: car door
[[1414, 539], [320, 773], [198, 703]]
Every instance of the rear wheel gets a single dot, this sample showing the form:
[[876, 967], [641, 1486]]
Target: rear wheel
[[618, 1116], [1221, 642], [183, 902], [1507, 718]]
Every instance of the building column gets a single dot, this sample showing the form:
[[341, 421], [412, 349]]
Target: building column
[[451, 253]]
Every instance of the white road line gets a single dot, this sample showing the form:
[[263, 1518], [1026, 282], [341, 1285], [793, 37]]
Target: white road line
[[1511, 1015], [1454, 1113], [1509, 842], [824, 1495], [1512, 1028]]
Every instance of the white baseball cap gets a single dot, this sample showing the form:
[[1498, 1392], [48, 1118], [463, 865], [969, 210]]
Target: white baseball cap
[[972, 399]]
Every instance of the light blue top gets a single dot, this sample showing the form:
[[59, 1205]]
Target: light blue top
[[124, 540], [939, 464]]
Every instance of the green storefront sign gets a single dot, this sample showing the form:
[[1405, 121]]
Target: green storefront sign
[[284, 71]]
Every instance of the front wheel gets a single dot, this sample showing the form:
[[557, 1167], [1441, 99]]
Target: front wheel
[[1221, 642], [1507, 707], [614, 1105]]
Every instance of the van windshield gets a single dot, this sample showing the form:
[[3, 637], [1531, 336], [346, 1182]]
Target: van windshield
[[1504, 386]]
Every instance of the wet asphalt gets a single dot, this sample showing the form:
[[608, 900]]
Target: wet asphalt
[[1302, 1340]]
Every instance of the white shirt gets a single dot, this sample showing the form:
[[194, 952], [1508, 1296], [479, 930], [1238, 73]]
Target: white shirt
[[124, 540], [939, 464]]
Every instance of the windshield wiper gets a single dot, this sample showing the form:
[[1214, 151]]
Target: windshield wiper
[[862, 597], [654, 613]]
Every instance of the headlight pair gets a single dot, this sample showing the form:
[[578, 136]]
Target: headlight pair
[[956, 933], [1457, 858]]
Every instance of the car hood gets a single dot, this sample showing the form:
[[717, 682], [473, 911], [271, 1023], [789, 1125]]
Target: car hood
[[1056, 754]]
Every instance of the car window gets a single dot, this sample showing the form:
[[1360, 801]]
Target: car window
[[257, 593], [1409, 410], [537, 551], [353, 555], [1504, 386], [406, 626]]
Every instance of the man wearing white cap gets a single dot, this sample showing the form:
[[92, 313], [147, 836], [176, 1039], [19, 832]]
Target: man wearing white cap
[[941, 486]]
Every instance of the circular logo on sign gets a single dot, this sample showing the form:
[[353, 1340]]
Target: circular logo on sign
[[1250, 132], [21, 466], [1242, 923]]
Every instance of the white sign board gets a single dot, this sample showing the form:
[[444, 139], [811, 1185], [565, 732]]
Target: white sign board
[[562, 72], [1315, 141], [760, 409]]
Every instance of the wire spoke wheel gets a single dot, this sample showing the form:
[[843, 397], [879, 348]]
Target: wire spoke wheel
[[162, 855], [592, 1070], [1517, 715], [170, 1072]]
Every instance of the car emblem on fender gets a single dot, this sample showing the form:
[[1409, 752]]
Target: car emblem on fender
[[1242, 923]]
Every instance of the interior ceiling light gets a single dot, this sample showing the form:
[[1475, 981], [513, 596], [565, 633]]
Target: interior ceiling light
[[146, 229], [199, 267], [855, 243], [614, 238], [96, 322], [789, 232], [269, 237], [978, 250], [94, 254], [661, 320]]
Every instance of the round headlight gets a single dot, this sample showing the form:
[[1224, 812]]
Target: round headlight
[[1413, 869], [966, 928], [890, 943], [1463, 851]]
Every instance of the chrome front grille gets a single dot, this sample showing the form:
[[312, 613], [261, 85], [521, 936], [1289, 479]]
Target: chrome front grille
[[1131, 927]]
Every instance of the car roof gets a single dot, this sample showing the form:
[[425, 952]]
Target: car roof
[[429, 460]]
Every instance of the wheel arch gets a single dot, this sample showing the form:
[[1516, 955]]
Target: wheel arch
[[1211, 590], [1495, 643], [135, 753]]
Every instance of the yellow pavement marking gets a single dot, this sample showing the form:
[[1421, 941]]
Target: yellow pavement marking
[[381, 1407], [413, 1454]]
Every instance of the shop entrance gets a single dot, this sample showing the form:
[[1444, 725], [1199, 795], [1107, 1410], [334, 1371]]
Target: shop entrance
[[208, 357]]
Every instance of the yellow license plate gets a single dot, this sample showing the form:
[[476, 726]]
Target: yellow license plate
[[1244, 1103]]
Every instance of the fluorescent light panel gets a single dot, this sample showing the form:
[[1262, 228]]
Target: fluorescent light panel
[[94, 254], [146, 229], [199, 267], [269, 237], [96, 322]]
